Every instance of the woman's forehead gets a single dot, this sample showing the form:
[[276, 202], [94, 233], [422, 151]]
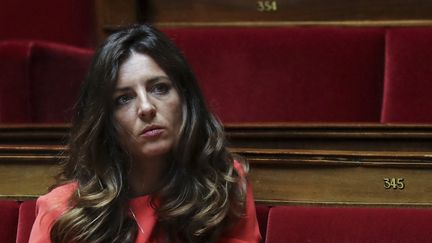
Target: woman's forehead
[[138, 68]]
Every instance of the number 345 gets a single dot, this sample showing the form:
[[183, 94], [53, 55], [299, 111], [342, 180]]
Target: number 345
[[394, 183]]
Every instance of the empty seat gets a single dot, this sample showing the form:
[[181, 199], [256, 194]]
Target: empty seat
[[27, 215], [69, 22], [8, 220], [288, 74], [354, 225], [39, 81], [408, 78]]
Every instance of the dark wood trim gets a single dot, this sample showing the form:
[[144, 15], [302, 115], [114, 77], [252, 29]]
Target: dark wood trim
[[250, 130], [38, 134], [114, 15], [291, 157], [340, 204], [328, 130], [250, 24], [317, 164], [245, 24]]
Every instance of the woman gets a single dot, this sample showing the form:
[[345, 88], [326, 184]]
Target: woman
[[148, 162]]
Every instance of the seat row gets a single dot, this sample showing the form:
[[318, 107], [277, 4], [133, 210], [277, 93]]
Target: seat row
[[283, 74], [298, 224]]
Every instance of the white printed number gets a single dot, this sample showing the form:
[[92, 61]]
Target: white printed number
[[266, 6], [394, 183]]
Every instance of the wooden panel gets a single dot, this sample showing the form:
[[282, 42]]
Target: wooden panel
[[189, 13], [364, 137], [338, 136], [114, 13], [335, 164], [225, 11], [26, 180], [340, 177], [38, 134], [340, 185], [26, 171], [278, 176]]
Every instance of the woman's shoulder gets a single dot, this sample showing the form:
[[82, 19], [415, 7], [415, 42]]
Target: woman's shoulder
[[48, 208], [56, 201], [59, 192]]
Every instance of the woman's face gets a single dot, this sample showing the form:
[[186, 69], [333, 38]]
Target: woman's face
[[147, 108]]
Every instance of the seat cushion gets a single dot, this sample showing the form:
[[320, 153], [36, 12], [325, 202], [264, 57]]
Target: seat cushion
[[8, 220], [69, 21], [40, 81], [27, 215], [14, 82], [408, 79], [354, 225]]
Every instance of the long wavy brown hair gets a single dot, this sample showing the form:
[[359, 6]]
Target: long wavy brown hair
[[202, 193]]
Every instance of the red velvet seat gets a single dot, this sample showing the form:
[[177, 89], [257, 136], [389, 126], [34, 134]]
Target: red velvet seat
[[39, 81], [353, 225], [8, 220], [251, 74], [14, 85], [408, 79], [68, 21], [27, 215], [288, 74]]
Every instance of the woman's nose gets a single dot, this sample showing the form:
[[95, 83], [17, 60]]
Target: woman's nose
[[146, 109]]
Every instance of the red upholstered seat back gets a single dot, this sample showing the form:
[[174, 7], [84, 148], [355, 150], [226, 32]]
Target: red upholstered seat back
[[27, 215], [39, 81], [408, 79], [14, 85], [56, 73], [252, 74], [68, 21], [8, 220], [288, 74], [354, 225]]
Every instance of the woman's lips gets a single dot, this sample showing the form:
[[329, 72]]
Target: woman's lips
[[154, 132]]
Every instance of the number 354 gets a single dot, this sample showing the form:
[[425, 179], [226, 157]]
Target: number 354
[[394, 183], [266, 6]]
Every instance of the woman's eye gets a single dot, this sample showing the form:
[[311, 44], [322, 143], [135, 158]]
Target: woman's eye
[[161, 88], [123, 99]]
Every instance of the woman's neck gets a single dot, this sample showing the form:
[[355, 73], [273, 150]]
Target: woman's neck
[[145, 176]]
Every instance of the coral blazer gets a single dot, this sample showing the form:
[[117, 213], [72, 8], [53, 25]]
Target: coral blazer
[[50, 206]]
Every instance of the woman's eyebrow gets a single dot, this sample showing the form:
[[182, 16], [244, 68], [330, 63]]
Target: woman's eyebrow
[[149, 81], [157, 78], [121, 89]]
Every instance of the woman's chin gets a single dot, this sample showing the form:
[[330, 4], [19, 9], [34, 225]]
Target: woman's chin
[[154, 151]]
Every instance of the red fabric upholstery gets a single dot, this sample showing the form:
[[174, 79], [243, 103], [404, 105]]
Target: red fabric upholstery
[[408, 79], [39, 81], [56, 73], [67, 21], [252, 74], [27, 215], [285, 224], [14, 83], [8, 220], [262, 216], [288, 74], [354, 225]]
